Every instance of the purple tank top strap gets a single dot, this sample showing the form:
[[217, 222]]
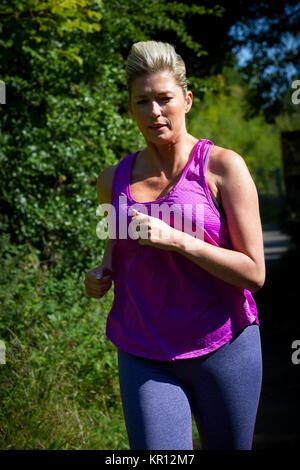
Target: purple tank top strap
[[206, 153], [122, 175]]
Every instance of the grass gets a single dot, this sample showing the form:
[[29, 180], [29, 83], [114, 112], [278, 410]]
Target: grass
[[50, 407], [59, 385]]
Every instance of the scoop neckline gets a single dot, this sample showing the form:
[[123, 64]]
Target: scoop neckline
[[128, 189]]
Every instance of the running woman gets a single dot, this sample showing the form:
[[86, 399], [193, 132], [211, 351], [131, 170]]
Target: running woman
[[184, 264]]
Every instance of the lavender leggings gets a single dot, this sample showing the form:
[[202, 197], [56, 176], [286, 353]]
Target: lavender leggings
[[221, 389]]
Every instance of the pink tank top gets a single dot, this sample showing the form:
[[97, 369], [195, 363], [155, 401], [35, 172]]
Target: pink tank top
[[165, 306]]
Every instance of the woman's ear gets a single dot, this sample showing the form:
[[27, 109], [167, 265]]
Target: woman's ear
[[188, 101]]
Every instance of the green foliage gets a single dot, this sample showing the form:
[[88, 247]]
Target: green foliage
[[289, 121], [222, 116], [225, 117], [59, 387], [289, 117], [35, 23]]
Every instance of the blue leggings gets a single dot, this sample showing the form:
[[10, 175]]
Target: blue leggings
[[221, 390]]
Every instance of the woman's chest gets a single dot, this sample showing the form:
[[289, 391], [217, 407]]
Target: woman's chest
[[144, 189], [151, 188]]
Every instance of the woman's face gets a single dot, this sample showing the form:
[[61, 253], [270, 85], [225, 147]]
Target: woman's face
[[158, 106]]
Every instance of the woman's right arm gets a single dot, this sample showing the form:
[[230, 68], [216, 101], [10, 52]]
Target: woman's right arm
[[99, 280], [104, 185]]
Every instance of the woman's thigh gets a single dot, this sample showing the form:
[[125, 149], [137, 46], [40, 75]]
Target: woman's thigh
[[225, 389], [156, 407]]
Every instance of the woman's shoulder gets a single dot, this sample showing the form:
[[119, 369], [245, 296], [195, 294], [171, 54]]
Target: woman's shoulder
[[105, 180], [223, 161], [104, 183]]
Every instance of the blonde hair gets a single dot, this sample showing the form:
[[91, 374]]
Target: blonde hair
[[152, 56]]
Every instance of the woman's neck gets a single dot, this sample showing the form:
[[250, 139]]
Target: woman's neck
[[170, 158]]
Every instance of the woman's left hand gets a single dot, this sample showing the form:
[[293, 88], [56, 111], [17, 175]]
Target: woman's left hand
[[155, 232]]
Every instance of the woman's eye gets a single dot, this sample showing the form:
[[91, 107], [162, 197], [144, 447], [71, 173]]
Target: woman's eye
[[164, 99]]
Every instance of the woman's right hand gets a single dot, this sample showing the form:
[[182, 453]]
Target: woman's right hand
[[98, 281]]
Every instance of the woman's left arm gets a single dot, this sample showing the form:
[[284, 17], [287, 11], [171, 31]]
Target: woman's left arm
[[244, 266]]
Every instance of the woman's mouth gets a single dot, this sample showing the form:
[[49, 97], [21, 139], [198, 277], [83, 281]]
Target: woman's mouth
[[157, 126]]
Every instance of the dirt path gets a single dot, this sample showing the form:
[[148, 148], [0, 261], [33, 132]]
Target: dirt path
[[275, 243]]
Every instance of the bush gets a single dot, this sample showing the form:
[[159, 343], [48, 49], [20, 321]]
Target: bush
[[59, 387]]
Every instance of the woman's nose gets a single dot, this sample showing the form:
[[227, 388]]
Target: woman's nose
[[155, 109]]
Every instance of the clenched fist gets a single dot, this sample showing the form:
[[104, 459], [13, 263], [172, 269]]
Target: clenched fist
[[98, 281]]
